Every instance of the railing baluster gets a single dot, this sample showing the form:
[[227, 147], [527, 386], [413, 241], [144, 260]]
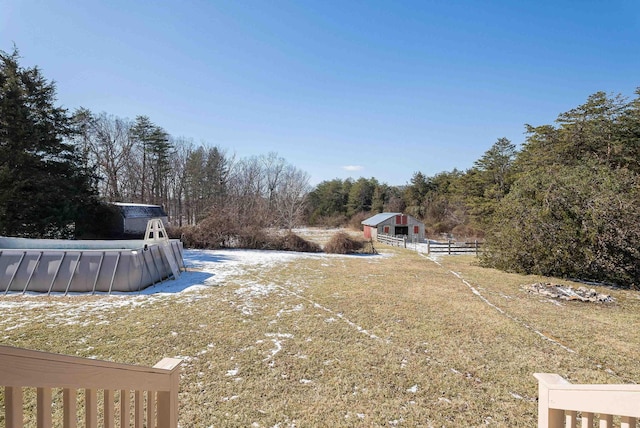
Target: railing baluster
[[606, 421], [628, 422], [587, 420], [125, 409], [13, 405], [570, 419], [91, 408], [151, 409], [44, 407], [109, 413], [138, 405], [70, 411]]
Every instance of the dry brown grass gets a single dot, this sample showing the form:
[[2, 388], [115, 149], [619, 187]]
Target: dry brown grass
[[349, 341]]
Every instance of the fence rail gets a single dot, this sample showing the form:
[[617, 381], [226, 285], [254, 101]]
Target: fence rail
[[21, 369], [449, 247], [392, 240], [560, 401]]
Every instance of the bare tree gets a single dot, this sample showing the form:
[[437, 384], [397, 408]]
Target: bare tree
[[247, 193], [140, 162], [274, 167], [107, 146], [176, 181], [291, 196]]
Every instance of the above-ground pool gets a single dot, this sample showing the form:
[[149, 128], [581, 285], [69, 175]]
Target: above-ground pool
[[63, 266]]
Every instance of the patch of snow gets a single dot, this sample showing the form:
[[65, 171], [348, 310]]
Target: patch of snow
[[233, 397], [297, 308], [277, 343]]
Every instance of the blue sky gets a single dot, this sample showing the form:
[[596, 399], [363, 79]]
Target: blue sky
[[338, 88]]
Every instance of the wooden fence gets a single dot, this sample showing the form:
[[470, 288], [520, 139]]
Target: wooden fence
[[560, 401], [451, 247], [21, 370], [392, 240]]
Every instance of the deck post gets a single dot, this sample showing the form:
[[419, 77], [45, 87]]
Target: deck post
[[547, 417], [168, 400]]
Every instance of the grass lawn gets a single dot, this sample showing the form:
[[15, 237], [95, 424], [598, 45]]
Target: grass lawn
[[315, 340]]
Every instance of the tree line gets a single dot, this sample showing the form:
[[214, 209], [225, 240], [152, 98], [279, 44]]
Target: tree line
[[138, 161], [565, 204], [57, 169]]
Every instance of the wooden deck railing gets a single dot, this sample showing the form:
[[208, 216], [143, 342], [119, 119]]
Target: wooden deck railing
[[560, 401], [22, 369]]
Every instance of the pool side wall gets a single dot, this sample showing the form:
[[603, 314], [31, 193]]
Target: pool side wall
[[39, 265]]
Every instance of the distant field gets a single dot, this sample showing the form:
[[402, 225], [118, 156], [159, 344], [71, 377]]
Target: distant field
[[277, 340]]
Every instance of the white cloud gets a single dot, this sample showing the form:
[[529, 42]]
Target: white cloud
[[353, 167]]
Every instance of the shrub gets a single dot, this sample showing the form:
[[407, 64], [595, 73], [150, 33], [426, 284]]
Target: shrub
[[213, 231], [342, 243], [293, 242], [253, 238]]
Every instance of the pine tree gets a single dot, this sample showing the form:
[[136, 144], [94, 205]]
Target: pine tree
[[155, 146], [44, 186]]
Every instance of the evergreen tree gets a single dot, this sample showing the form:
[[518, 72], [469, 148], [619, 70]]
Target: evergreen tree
[[156, 148], [415, 194], [44, 187], [572, 210], [329, 200], [489, 180], [361, 196], [577, 222]]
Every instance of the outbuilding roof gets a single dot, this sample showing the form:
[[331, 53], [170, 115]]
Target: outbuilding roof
[[378, 218], [140, 210]]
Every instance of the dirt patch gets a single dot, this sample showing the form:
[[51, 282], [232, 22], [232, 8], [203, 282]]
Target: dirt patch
[[565, 292]]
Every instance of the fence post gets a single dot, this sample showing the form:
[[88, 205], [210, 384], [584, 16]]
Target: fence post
[[449, 247], [404, 241], [548, 418], [476, 244], [428, 246], [168, 400]]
